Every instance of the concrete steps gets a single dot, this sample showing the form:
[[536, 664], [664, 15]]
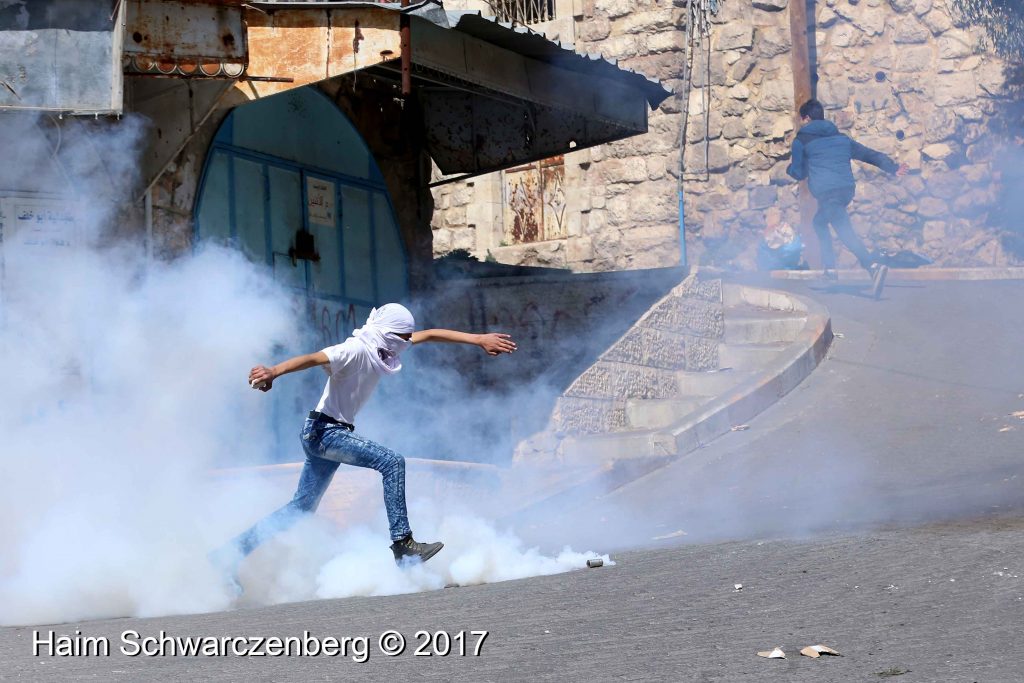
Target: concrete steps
[[745, 324], [636, 406], [657, 413]]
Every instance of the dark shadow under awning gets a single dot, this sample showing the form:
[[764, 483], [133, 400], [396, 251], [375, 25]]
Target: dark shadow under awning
[[496, 96]]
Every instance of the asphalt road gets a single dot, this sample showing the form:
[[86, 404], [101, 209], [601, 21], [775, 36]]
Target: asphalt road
[[876, 509]]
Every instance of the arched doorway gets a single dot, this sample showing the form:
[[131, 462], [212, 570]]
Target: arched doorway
[[290, 182]]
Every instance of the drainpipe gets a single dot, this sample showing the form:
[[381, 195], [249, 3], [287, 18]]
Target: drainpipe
[[149, 224], [406, 47]]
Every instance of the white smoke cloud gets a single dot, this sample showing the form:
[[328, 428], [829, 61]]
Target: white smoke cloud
[[125, 386]]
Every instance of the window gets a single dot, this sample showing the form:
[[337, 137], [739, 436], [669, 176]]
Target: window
[[523, 11]]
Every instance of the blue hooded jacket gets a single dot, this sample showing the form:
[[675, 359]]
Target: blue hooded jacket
[[822, 154]]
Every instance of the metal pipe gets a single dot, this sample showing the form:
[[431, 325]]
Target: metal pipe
[[405, 41], [149, 224]]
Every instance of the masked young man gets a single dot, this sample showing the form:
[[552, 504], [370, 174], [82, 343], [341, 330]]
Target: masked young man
[[328, 437]]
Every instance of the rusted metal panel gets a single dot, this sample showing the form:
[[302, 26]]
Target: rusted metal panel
[[61, 55], [184, 38], [311, 45], [535, 201]]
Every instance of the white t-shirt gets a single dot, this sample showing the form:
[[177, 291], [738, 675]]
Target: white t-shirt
[[352, 380]]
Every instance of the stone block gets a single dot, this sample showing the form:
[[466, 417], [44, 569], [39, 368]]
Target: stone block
[[621, 381], [902, 6], [741, 68], [734, 128], [771, 5], [954, 47], [734, 36], [937, 151], [772, 41], [777, 94], [845, 35], [870, 20], [834, 93], [937, 21], [921, 7], [680, 315], [941, 125], [575, 415], [594, 29], [991, 77], [908, 29], [736, 178], [932, 207], [718, 157], [649, 347], [579, 249], [762, 197], [914, 59], [954, 88], [631, 170], [616, 8]]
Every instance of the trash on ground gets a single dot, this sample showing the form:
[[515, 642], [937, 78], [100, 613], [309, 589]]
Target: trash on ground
[[1006, 428], [740, 428], [1019, 414], [737, 586], [777, 653], [815, 651], [595, 563], [669, 536], [839, 335]]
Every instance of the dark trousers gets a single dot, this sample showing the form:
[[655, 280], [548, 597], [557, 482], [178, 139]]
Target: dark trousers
[[832, 211]]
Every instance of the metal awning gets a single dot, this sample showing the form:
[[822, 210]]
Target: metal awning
[[493, 95]]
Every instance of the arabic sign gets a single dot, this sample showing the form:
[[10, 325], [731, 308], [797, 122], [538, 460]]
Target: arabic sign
[[46, 224], [320, 201]]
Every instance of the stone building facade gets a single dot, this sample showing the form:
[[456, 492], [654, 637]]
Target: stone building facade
[[902, 76]]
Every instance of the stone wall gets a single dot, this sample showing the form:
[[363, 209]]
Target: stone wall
[[898, 75]]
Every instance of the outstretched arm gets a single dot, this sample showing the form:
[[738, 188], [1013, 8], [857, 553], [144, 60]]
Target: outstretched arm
[[875, 158], [262, 377], [493, 343]]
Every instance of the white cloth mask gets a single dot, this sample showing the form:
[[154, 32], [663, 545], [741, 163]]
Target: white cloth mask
[[380, 335]]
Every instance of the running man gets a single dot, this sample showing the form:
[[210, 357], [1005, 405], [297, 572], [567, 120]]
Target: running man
[[822, 155], [328, 437]]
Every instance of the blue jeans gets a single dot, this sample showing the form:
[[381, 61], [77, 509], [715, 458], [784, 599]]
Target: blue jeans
[[326, 446], [832, 211]]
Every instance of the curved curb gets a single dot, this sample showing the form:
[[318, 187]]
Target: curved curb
[[751, 397], [737, 406], [923, 274]]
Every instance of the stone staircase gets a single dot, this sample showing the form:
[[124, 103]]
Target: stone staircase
[[701, 349]]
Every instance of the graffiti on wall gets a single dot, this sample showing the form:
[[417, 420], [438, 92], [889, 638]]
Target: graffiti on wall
[[332, 321]]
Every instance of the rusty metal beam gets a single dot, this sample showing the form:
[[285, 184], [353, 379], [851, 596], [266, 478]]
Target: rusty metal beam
[[800, 56], [312, 45]]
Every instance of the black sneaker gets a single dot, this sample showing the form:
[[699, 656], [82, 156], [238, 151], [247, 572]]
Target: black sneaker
[[878, 272], [408, 548]]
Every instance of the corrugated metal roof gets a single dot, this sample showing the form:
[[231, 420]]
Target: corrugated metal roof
[[517, 38]]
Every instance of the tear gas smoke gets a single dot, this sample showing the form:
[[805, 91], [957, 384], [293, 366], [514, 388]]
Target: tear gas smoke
[[124, 386]]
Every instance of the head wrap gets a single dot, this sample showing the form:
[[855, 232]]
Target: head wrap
[[380, 335]]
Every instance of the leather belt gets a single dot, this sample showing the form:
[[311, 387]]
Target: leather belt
[[313, 415]]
